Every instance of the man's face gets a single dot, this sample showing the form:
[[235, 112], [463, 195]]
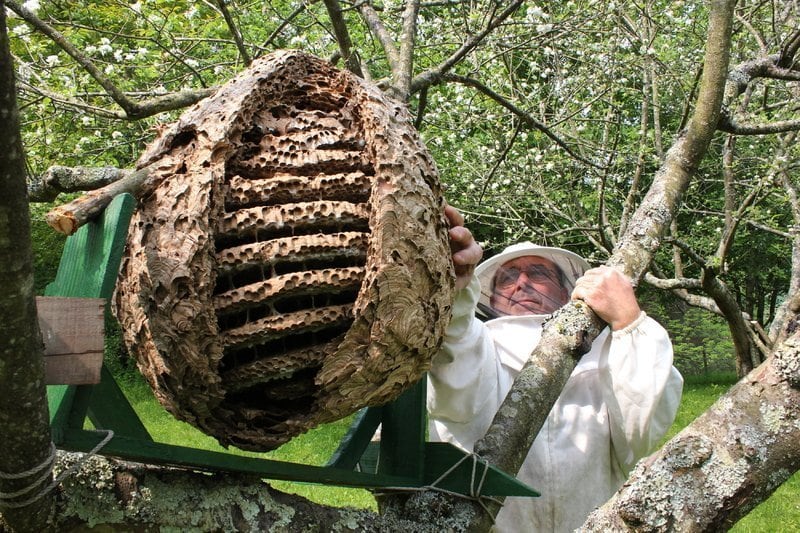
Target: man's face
[[528, 285]]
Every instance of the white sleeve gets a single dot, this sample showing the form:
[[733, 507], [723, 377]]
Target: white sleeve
[[643, 389], [463, 380]]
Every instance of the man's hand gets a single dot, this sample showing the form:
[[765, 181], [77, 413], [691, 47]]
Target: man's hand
[[610, 294], [466, 252]]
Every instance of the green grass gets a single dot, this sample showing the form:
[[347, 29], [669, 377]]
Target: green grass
[[781, 512], [312, 448]]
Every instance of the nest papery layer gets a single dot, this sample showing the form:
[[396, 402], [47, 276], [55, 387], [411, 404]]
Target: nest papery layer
[[291, 264]]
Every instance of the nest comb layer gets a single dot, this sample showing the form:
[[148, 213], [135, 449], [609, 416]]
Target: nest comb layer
[[289, 263]]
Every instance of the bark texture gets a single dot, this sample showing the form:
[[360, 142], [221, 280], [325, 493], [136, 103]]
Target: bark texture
[[290, 265], [118, 496], [726, 462], [25, 435]]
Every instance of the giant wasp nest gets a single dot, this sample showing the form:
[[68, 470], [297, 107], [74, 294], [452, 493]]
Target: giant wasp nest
[[289, 263]]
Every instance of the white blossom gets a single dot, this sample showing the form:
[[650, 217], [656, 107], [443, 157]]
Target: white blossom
[[52, 61], [105, 48]]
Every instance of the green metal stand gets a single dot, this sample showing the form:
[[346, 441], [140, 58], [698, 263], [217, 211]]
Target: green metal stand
[[89, 267]]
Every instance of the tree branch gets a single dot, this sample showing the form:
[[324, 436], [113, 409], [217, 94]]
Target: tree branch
[[432, 76], [67, 218], [401, 78], [378, 30], [133, 110], [729, 124], [526, 118], [342, 34], [237, 36], [59, 179], [724, 463]]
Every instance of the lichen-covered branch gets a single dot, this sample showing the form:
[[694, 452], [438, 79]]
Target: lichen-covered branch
[[723, 464], [60, 179], [119, 495]]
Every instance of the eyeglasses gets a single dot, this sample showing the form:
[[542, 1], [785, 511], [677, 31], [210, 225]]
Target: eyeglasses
[[507, 276]]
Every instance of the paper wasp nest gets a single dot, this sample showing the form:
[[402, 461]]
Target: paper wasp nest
[[289, 263]]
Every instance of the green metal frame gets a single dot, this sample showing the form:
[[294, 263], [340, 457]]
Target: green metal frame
[[88, 269]]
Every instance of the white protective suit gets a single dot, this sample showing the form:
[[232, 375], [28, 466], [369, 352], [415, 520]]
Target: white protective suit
[[619, 401]]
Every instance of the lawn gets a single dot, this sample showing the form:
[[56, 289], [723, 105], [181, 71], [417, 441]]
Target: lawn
[[781, 512]]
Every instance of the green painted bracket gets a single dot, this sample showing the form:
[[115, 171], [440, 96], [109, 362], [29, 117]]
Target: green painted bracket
[[402, 451], [403, 460], [88, 269], [439, 458]]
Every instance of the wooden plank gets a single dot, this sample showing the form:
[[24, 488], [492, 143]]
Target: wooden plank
[[465, 478], [89, 266], [72, 331]]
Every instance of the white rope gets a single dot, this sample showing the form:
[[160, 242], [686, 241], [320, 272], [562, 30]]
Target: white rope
[[47, 466], [474, 491]]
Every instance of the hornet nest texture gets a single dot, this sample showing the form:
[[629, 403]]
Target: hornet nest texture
[[288, 262]]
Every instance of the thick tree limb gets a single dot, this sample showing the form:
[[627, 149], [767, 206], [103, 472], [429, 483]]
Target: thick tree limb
[[343, 37], [401, 79], [125, 495], [723, 464], [632, 256], [25, 434]]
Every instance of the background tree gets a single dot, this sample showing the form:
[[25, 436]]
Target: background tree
[[28, 453]]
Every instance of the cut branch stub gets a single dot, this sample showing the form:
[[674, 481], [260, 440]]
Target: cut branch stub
[[290, 263]]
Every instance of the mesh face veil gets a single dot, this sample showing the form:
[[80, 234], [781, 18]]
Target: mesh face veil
[[497, 272]]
